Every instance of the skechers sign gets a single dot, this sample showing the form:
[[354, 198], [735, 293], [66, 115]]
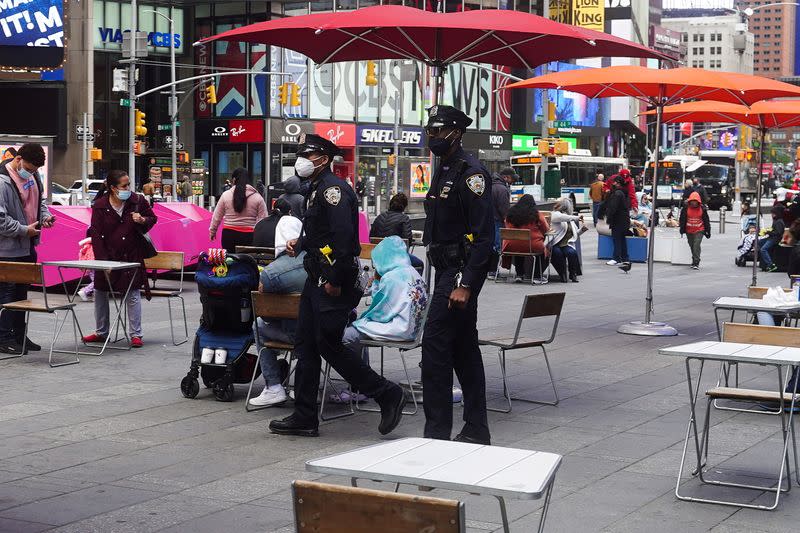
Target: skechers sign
[[385, 135], [154, 38]]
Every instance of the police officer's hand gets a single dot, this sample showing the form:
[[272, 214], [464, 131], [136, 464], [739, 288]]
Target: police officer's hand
[[459, 297], [332, 290], [290, 244]]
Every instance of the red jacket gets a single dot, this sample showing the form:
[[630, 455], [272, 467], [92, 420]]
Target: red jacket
[[116, 238]]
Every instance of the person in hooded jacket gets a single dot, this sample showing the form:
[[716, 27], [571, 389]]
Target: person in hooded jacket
[[616, 210], [239, 209], [292, 194], [630, 188], [694, 223], [264, 232], [399, 297]]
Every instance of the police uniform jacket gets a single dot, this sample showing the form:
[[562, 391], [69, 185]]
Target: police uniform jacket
[[331, 219], [459, 203]]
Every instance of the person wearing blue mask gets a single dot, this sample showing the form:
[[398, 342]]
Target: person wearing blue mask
[[120, 219], [23, 214]]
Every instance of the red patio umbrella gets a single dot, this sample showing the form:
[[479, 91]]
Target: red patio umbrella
[[659, 88], [499, 37], [764, 115]]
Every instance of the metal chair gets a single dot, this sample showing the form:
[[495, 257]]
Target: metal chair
[[421, 316], [171, 262], [523, 235], [534, 306], [32, 274]]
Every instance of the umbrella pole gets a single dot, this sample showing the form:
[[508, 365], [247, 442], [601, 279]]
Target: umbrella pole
[[648, 328], [756, 253]]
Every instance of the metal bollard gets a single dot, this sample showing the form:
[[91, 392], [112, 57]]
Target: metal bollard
[[722, 219]]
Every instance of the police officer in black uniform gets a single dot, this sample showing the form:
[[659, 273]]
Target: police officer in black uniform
[[332, 290], [459, 234]]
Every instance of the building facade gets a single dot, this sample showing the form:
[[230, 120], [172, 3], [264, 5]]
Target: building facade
[[775, 31], [712, 39]]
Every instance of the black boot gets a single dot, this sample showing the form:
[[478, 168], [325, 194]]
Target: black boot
[[30, 346], [573, 277], [291, 425], [392, 403]]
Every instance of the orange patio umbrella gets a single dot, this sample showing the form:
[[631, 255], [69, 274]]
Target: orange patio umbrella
[[764, 115], [660, 88]]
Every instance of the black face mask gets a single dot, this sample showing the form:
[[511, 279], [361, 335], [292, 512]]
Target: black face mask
[[439, 146]]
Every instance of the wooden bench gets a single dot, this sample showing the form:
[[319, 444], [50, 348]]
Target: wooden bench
[[32, 274], [262, 254], [169, 262], [755, 334], [320, 507]]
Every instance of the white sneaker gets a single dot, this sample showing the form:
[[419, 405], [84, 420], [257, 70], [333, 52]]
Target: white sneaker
[[207, 356], [272, 395], [612, 263], [220, 356]]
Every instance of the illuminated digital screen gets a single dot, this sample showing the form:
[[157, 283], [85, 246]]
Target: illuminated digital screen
[[32, 33]]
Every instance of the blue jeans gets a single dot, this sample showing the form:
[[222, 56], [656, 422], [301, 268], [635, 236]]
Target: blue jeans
[[352, 341], [764, 246], [497, 243], [595, 210], [416, 262], [278, 331], [284, 275]]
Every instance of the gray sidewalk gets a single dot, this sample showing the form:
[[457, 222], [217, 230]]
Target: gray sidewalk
[[110, 445]]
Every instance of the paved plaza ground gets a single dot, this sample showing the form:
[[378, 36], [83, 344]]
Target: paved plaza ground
[[110, 445]]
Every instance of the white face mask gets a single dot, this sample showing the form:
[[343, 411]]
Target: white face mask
[[305, 167]]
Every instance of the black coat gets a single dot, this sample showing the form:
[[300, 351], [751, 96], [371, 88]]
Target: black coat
[[391, 223], [616, 209], [116, 238]]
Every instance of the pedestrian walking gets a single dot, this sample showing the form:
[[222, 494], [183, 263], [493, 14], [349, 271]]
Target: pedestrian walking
[[239, 209], [459, 233], [616, 210], [501, 202], [596, 194], [120, 219], [332, 290], [184, 188], [694, 223], [23, 214]]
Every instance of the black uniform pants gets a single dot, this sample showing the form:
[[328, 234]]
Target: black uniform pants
[[320, 328], [451, 343]]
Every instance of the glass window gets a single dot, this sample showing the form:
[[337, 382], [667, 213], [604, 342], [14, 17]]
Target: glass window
[[224, 9], [472, 5], [453, 6], [367, 3], [202, 11], [321, 6], [346, 5]]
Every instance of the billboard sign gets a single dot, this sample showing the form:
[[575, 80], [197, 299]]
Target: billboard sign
[[32, 33]]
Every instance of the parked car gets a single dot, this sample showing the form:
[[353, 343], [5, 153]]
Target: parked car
[[60, 194], [92, 186]]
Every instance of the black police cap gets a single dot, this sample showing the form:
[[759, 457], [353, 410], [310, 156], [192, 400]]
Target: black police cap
[[310, 143], [448, 117]]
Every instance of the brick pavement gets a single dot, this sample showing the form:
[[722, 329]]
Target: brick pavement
[[111, 446]]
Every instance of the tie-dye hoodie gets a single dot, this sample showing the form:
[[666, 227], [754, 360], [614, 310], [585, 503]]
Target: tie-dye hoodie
[[398, 297]]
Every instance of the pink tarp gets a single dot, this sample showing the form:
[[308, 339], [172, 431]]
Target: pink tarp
[[181, 227]]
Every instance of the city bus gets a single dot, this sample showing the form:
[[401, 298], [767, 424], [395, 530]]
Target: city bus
[[578, 170], [673, 171]]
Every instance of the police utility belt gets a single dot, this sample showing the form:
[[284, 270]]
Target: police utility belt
[[450, 255], [319, 265]]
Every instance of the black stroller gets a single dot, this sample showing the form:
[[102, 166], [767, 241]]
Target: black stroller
[[227, 323]]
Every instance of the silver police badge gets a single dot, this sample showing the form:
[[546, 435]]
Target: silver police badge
[[333, 195], [434, 111], [476, 184]]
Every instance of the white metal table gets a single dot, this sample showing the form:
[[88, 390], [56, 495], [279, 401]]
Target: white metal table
[[753, 305], [106, 267], [474, 468], [731, 352]]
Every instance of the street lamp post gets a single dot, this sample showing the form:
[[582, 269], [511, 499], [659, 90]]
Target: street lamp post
[[173, 100]]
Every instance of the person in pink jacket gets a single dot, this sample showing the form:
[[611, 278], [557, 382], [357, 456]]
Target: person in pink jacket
[[239, 209]]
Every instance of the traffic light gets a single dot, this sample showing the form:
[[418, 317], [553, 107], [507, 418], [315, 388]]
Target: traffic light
[[372, 77], [544, 147], [295, 95], [392, 160], [750, 155], [283, 94], [211, 94], [183, 157], [551, 116], [138, 147], [140, 127], [95, 154]]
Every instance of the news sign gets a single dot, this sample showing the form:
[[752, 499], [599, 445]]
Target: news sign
[[32, 34]]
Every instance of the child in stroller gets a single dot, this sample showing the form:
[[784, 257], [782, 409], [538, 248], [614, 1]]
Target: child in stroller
[[746, 248], [225, 333]]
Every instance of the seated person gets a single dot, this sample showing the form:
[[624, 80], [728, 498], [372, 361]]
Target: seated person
[[399, 297], [564, 233], [645, 210], [395, 222], [264, 231], [284, 275], [525, 215], [745, 249], [773, 237]]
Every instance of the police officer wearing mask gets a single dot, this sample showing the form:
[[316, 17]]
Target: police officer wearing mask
[[459, 234], [332, 291]]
